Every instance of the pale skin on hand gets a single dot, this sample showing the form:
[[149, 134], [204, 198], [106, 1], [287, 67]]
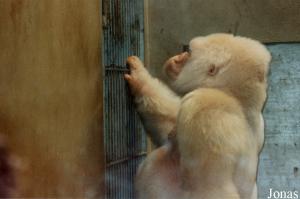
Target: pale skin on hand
[[136, 85], [156, 104], [212, 108]]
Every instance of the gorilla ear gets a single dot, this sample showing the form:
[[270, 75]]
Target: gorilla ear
[[212, 70]]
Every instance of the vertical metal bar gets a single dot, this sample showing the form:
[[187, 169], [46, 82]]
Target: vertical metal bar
[[124, 139]]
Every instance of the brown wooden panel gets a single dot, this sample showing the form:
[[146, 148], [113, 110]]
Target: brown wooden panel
[[173, 23], [51, 95]]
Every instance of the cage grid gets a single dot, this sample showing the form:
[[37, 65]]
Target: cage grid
[[124, 137]]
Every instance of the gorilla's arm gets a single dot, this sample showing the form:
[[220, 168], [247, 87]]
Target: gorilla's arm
[[156, 103]]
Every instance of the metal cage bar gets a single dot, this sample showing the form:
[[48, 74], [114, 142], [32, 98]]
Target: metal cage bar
[[125, 141]]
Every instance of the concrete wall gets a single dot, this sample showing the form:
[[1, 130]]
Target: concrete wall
[[172, 23], [50, 95], [280, 159]]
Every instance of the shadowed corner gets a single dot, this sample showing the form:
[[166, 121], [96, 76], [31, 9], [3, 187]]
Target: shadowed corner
[[7, 177]]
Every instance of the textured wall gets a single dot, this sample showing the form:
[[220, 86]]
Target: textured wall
[[280, 159], [172, 23], [50, 94]]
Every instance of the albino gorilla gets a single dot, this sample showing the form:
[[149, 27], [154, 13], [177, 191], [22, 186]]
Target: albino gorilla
[[209, 128]]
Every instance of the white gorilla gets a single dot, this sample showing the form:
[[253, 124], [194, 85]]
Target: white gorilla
[[209, 128]]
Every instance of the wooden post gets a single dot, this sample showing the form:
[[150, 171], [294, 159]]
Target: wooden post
[[51, 95]]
